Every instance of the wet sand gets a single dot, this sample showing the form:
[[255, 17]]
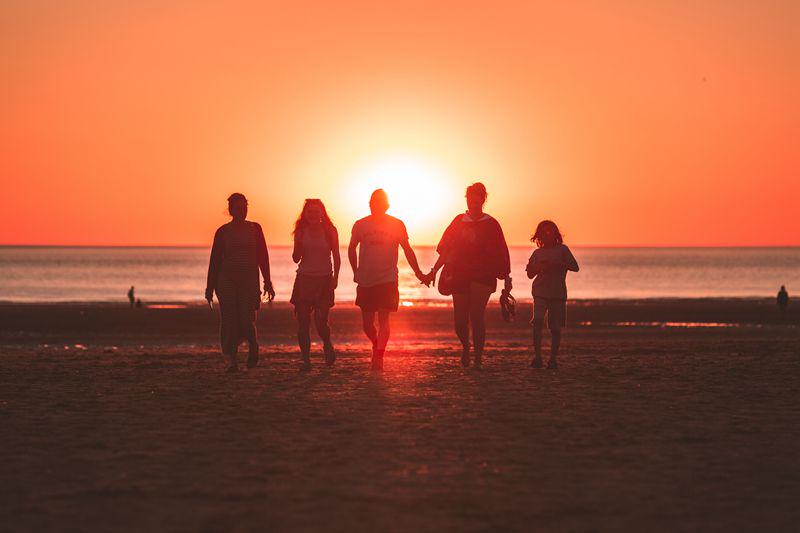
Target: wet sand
[[122, 420]]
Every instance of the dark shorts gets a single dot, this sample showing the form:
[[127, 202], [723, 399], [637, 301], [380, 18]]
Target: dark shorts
[[312, 291], [555, 310], [383, 297]]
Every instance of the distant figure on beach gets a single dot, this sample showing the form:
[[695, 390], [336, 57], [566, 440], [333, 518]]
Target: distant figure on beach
[[373, 256], [547, 267], [316, 251], [238, 253], [783, 299], [139, 303], [474, 255], [131, 296]]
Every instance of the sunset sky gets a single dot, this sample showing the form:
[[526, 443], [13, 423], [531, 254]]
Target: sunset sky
[[628, 123]]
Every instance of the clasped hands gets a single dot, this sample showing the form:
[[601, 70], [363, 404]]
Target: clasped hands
[[427, 279]]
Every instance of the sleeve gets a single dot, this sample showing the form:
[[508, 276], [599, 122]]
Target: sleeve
[[448, 239], [355, 234], [531, 260], [569, 260], [215, 261]]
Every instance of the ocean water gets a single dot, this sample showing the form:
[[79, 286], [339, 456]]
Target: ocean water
[[58, 274]]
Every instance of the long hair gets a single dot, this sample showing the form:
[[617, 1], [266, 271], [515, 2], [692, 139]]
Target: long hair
[[327, 223], [540, 229]]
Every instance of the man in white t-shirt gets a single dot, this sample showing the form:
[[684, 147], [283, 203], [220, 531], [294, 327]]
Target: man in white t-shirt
[[373, 256]]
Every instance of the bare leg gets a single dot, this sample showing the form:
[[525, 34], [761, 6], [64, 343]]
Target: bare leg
[[383, 330], [303, 314], [477, 313], [324, 331], [368, 320], [461, 321]]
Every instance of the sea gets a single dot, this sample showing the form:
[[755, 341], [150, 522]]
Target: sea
[[178, 274]]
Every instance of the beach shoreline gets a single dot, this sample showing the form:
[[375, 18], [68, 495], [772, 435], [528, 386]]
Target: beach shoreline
[[123, 419]]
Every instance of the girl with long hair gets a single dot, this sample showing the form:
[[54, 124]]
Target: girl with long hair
[[316, 251], [547, 267]]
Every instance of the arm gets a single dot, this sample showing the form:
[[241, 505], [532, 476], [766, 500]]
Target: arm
[[337, 258], [533, 267], [297, 251], [505, 261], [352, 253], [443, 248], [411, 257], [214, 263], [569, 260], [439, 264], [263, 264]]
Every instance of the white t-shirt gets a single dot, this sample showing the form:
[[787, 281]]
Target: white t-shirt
[[378, 237]]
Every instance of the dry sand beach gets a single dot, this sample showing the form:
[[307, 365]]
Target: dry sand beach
[[120, 419]]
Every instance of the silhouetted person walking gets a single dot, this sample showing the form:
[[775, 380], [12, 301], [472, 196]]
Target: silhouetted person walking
[[316, 250], [547, 267], [131, 296], [783, 299], [474, 254], [238, 253], [373, 257]]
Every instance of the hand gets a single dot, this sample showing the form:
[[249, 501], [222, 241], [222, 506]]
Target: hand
[[209, 294], [507, 286], [423, 278], [269, 292], [432, 278]]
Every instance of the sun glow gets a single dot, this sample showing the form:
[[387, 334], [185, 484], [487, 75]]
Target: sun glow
[[420, 192]]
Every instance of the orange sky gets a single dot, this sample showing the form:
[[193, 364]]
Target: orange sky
[[632, 123]]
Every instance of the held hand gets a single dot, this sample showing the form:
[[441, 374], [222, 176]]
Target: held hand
[[423, 278], [269, 292], [432, 278]]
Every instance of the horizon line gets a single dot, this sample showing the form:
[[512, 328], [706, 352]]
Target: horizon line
[[510, 245]]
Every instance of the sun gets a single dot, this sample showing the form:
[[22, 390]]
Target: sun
[[421, 193]]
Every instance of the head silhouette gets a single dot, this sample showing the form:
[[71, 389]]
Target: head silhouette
[[237, 206], [547, 234], [476, 197], [378, 202], [313, 212]]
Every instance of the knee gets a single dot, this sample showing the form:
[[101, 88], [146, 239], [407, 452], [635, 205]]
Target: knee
[[538, 324]]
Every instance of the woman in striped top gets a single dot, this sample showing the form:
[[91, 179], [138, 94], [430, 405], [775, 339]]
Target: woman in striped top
[[238, 253]]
